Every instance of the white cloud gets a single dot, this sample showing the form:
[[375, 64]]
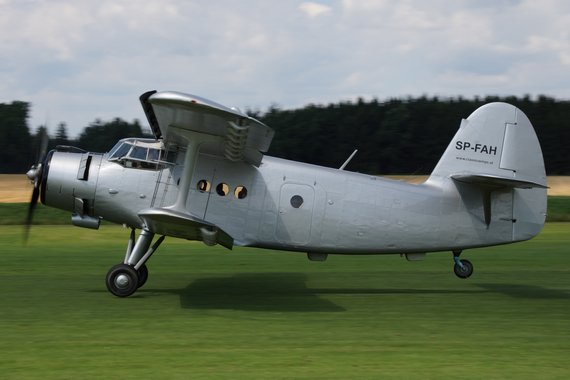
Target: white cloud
[[365, 5], [79, 60], [314, 9]]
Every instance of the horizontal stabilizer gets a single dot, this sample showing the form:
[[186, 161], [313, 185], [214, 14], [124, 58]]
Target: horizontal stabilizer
[[496, 181]]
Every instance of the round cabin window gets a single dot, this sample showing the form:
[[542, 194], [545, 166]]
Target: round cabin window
[[222, 189], [203, 186], [296, 201], [240, 192]]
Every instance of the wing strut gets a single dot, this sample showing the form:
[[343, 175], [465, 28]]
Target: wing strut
[[194, 140]]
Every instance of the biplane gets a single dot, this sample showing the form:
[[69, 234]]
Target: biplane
[[205, 176]]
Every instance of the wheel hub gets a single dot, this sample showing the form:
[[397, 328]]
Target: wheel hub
[[122, 281]]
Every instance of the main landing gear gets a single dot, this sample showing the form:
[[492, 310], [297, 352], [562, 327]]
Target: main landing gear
[[462, 268], [124, 279]]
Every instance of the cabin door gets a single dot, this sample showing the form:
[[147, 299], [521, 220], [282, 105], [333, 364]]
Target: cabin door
[[295, 214]]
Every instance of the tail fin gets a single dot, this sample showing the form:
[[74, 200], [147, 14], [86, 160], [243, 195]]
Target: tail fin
[[496, 148]]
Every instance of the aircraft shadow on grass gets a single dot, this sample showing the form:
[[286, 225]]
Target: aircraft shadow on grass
[[283, 292], [288, 292], [526, 291]]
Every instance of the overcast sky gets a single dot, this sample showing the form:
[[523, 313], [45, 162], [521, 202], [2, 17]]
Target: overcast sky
[[76, 61]]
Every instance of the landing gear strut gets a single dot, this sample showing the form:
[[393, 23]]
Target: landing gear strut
[[462, 268], [124, 279]]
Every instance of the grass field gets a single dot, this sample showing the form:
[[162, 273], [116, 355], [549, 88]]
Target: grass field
[[256, 314]]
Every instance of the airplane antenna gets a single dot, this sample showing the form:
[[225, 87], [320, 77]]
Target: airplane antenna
[[348, 160]]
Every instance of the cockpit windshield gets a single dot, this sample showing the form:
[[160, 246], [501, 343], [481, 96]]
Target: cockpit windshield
[[141, 153]]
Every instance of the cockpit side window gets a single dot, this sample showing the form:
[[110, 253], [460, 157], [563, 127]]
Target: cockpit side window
[[120, 151], [153, 154], [144, 154], [171, 156], [139, 153]]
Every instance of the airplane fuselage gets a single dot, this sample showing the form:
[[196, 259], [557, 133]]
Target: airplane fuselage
[[290, 205]]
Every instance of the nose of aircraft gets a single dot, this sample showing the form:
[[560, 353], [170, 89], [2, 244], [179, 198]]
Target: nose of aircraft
[[70, 181], [65, 180]]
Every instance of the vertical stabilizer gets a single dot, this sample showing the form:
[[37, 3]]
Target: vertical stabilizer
[[496, 150]]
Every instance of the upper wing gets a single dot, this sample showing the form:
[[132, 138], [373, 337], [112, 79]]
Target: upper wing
[[239, 136]]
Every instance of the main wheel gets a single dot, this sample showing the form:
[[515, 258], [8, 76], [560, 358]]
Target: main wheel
[[143, 275], [464, 272], [122, 280]]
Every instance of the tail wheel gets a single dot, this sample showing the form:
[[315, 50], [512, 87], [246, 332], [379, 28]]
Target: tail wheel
[[465, 270], [122, 280]]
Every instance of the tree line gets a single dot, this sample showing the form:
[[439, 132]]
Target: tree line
[[19, 148], [404, 136], [397, 136]]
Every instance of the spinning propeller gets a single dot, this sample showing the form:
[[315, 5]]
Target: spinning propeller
[[36, 176]]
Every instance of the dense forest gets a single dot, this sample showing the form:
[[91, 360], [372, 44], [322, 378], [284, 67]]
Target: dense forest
[[19, 147], [398, 136], [403, 136]]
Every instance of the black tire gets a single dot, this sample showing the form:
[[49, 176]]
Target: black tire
[[143, 275], [122, 280], [464, 272]]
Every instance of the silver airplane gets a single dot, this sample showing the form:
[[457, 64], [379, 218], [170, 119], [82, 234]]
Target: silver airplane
[[204, 177]]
